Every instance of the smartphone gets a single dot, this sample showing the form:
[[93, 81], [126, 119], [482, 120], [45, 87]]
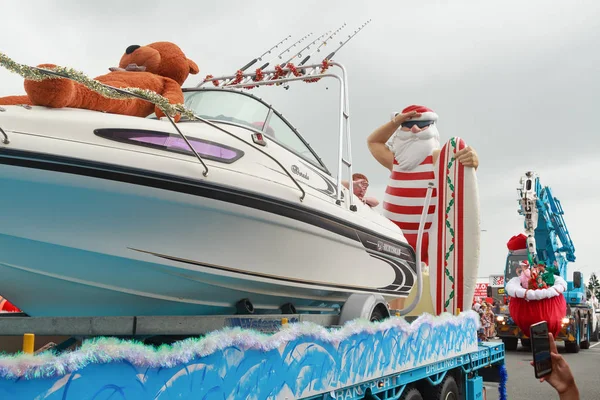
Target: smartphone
[[540, 347]]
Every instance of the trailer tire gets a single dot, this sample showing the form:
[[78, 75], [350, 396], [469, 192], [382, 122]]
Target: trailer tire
[[510, 344], [572, 347], [364, 306], [595, 334], [585, 343], [412, 394], [378, 315], [447, 390], [584, 333]]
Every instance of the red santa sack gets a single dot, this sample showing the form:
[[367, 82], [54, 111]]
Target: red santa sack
[[528, 312]]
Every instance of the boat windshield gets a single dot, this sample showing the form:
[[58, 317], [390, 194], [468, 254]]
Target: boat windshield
[[227, 106], [246, 110]]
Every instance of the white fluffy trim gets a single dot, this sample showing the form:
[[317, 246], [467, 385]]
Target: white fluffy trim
[[514, 289], [427, 116]]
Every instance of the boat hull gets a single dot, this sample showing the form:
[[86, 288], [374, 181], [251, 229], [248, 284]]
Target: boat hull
[[90, 240]]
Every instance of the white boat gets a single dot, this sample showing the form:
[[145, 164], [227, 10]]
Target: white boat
[[111, 215]]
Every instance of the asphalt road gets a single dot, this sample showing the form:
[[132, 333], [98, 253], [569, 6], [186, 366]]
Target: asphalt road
[[522, 384]]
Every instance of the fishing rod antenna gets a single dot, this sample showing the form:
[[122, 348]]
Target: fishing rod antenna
[[259, 58], [285, 51], [342, 43], [299, 53], [309, 73], [323, 43]]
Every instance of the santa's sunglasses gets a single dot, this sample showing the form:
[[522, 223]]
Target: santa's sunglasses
[[420, 124]]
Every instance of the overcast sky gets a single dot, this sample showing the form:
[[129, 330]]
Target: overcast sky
[[518, 80]]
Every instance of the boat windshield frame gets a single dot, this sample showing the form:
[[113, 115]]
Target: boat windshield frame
[[270, 110], [282, 75]]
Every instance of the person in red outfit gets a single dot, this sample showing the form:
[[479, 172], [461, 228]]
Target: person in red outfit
[[360, 184]]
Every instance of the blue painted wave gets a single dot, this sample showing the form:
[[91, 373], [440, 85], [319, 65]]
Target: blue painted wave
[[300, 360]]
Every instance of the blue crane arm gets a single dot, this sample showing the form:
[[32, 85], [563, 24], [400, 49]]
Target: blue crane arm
[[548, 237], [555, 215]]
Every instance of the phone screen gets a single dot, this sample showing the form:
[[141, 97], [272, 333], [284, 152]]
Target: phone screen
[[540, 346]]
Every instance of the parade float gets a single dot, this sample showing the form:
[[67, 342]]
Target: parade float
[[172, 281], [536, 273]]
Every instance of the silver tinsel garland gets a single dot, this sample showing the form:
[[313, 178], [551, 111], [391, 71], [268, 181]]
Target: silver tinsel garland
[[106, 349], [38, 74]]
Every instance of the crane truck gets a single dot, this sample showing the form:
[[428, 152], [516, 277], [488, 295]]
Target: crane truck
[[548, 241]]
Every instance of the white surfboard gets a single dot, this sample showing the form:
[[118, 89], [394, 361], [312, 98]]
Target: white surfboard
[[455, 234]]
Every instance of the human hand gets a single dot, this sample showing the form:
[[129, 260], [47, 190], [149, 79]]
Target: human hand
[[561, 378], [399, 118], [371, 201], [360, 187], [467, 157]]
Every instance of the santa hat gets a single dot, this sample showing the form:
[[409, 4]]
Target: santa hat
[[427, 114]]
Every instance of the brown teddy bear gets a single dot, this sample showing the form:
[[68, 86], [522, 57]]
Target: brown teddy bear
[[161, 67]]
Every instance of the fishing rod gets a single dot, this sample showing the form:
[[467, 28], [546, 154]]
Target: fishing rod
[[324, 43], [330, 55], [285, 51], [259, 58], [299, 54]]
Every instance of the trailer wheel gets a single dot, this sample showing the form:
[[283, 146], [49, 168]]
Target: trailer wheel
[[447, 390], [510, 344], [572, 347], [585, 343], [412, 394], [595, 334], [377, 315]]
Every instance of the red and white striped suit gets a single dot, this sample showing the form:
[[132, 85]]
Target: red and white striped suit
[[404, 200]]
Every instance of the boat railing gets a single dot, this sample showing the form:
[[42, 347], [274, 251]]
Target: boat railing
[[5, 139], [308, 73]]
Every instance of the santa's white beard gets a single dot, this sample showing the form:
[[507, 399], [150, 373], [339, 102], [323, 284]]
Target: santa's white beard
[[410, 149]]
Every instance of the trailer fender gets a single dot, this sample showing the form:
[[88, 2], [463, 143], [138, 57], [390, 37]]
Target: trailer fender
[[367, 306]]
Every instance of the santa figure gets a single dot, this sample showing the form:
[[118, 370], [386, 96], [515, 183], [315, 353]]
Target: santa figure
[[409, 146]]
